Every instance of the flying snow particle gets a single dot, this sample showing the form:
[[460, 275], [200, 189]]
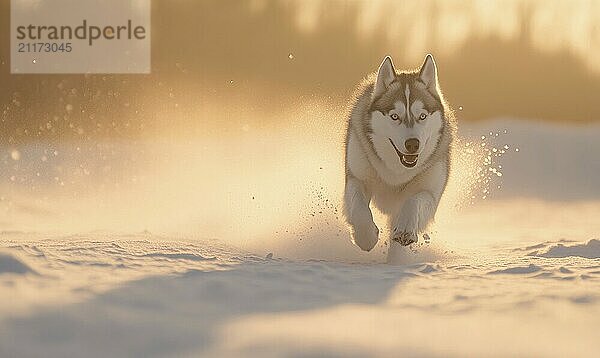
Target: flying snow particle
[[426, 238], [460, 108], [15, 154], [291, 56]]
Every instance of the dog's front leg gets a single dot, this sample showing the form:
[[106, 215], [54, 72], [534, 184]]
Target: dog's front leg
[[415, 215], [419, 209], [358, 214]]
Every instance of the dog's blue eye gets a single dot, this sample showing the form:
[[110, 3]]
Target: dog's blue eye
[[422, 116], [394, 116]]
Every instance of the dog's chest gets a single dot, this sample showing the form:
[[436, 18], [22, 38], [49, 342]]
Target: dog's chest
[[396, 178], [386, 198]]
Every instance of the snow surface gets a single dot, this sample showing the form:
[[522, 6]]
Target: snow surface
[[590, 250], [9, 264], [138, 295]]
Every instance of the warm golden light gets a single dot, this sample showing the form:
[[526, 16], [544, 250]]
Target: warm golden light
[[198, 210]]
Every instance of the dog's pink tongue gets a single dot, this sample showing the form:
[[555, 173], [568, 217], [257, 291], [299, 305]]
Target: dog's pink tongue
[[410, 158]]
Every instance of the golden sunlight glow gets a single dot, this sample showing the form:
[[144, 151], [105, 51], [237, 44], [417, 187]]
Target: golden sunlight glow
[[419, 26]]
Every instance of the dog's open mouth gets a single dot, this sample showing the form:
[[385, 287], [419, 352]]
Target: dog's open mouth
[[408, 160]]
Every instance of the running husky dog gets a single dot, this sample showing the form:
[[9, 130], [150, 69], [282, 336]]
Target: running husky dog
[[400, 134]]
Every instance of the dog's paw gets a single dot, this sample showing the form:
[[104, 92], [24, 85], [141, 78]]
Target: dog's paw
[[405, 238], [366, 236], [405, 229]]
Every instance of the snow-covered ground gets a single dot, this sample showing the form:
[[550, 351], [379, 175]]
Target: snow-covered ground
[[107, 295], [225, 253]]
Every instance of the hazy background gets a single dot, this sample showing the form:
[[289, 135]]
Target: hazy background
[[527, 59], [242, 118]]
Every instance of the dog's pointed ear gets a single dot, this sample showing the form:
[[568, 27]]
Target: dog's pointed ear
[[385, 76], [428, 72]]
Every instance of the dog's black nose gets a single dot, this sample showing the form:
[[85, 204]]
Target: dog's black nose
[[412, 145]]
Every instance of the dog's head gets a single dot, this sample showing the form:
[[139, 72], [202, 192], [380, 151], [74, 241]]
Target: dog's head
[[406, 114]]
